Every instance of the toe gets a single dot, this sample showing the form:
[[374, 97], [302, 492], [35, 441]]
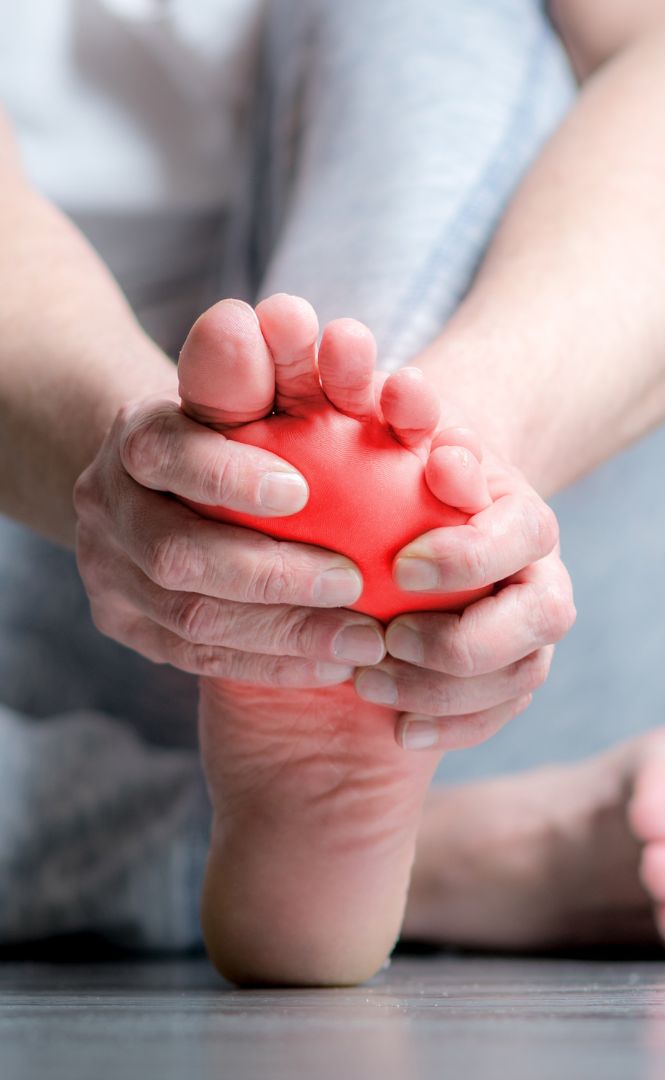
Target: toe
[[454, 472], [347, 357], [291, 329], [225, 370], [410, 406]]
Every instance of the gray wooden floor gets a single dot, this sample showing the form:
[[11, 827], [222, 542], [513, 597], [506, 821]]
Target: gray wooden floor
[[444, 1016]]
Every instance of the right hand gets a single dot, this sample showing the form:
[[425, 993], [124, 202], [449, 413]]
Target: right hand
[[209, 598]]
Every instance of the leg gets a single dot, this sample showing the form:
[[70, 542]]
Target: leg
[[84, 769], [387, 159], [564, 856], [121, 854]]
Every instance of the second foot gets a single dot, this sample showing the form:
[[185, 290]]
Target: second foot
[[562, 857]]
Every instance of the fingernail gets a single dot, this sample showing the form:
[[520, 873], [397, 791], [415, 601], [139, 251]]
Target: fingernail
[[360, 644], [405, 644], [419, 735], [378, 687], [331, 674], [285, 492], [416, 575], [338, 587]]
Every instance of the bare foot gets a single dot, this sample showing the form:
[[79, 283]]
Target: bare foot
[[316, 807], [565, 856]]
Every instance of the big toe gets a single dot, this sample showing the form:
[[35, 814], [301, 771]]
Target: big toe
[[225, 371], [347, 359], [291, 329]]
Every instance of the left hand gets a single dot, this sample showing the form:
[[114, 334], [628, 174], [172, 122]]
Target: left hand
[[458, 678]]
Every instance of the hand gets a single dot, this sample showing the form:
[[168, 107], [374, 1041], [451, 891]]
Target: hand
[[211, 599], [458, 678]]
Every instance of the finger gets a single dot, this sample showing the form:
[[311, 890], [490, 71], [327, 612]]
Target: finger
[[291, 329], [347, 357], [179, 550], [225, 371], [535, 610], [162, 647], [415, 732], [456, 477], [410, 406], [513, 532], [411, 689], [164, 450], [274, 630]]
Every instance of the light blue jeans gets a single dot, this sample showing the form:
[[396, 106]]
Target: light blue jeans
[[386, 140]]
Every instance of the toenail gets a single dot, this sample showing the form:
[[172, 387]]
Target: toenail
[[416, 575], [338, 587], [404, 643], [331, 674], [378, 687], [360, 644], [419, 735], [286, 492]]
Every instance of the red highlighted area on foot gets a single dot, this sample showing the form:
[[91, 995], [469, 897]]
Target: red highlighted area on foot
[[368, 499]]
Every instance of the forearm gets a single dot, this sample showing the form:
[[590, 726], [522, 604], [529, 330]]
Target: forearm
[[558, 352], [71, 353]]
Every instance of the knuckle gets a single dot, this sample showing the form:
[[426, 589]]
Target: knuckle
[[474, 562], [435, 698], [198, 659], [281, 671], [220, 476], [145, 447], [458, 656], [170, 561], [561, 614], [104, 619], [125, 416], [209, 661], [545, 526], [270, 582], [298, 633], [480, 727], [520, 705], [533, 671], [193, 618], [85, 492], [552, 615]]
